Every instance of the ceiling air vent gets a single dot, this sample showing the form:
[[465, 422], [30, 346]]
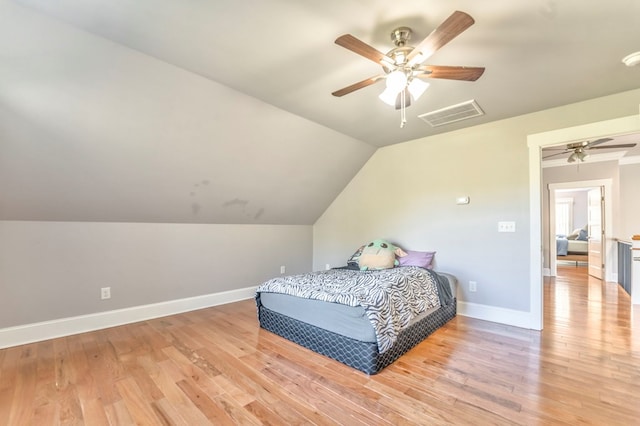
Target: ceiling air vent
[[451, 114]]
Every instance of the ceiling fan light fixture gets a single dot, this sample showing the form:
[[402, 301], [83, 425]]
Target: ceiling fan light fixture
[[389, 96], [577, 155], [417, 88], [396, 81]]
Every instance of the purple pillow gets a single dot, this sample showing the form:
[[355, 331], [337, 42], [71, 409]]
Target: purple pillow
[[417, 258]]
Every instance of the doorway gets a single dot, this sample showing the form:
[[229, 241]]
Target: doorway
[[606, 203], [535, 142]]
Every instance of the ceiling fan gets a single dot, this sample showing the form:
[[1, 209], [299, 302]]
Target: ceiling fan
[[580, 149], [402, 65]]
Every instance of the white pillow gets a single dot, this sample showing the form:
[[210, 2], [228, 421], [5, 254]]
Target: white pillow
[[574, 234]]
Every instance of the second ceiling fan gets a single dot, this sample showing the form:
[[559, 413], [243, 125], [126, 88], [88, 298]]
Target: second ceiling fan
[[580, 149], [402, 65]]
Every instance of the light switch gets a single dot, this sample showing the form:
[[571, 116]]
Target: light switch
[[506, 227]]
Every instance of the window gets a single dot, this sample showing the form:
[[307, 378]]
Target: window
[[564, 216]]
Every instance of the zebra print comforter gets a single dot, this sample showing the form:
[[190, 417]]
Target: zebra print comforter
[[391, 298]]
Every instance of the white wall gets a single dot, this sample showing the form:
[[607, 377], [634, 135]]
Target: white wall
[[630, 197], [54, 270], [407, 193]]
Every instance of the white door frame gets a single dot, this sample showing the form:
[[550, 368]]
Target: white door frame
[[610, 244], [536, 142]]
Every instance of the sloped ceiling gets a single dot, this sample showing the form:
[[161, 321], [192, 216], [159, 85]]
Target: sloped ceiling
[[220, 111], [91, 130]]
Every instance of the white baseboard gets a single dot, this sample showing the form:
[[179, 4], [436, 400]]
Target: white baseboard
[[29, 333], [520, 319], [546, 272]]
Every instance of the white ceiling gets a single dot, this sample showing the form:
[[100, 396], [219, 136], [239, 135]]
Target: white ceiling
[[135, 76]]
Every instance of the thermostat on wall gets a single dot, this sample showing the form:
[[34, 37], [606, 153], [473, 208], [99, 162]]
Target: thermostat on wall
[[462, 200]]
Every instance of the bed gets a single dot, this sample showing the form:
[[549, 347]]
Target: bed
[[566, 247], [339, 313], [573, 247]]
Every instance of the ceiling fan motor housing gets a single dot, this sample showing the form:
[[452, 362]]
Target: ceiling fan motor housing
[[576, 145], [400, 36]]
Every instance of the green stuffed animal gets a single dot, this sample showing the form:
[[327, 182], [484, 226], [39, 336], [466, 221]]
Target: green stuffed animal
[[379, 254]]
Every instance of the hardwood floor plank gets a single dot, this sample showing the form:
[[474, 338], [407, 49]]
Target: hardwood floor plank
[[118, 414], [137, 405], [47, 414], [104, 364], [346, 385], [93, 411], [205, 404], [165, 375], [314, 396], [197, 369], [167, 413], [236, 411], [288, 404], [410, 409], [24, 386]]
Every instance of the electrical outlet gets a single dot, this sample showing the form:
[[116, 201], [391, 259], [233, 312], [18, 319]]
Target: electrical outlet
[[473, 286], [105, 293], [506, 227], [283, 269]]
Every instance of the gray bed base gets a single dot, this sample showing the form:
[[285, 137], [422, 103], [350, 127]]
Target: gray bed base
[[363, 356]]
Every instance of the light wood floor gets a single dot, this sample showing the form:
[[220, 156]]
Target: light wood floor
[[215, 366]]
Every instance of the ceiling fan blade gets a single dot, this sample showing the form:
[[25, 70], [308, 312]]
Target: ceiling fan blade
[[453, 26], [624, 145], [451, 73], [556, 149], [363, 49], [598, 141], [356, 86], [553, 155]]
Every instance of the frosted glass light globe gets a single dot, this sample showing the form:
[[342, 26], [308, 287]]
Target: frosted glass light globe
[[396, 81]]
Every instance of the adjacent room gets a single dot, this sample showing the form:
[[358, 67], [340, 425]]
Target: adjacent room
[[184, 186]]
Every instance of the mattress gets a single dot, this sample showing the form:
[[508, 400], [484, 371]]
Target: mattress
[[578, 246]]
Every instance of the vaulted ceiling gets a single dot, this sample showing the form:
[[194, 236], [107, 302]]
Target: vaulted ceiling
[[221, 111]]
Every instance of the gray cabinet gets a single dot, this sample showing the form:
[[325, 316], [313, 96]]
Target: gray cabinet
[[624, 265]]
